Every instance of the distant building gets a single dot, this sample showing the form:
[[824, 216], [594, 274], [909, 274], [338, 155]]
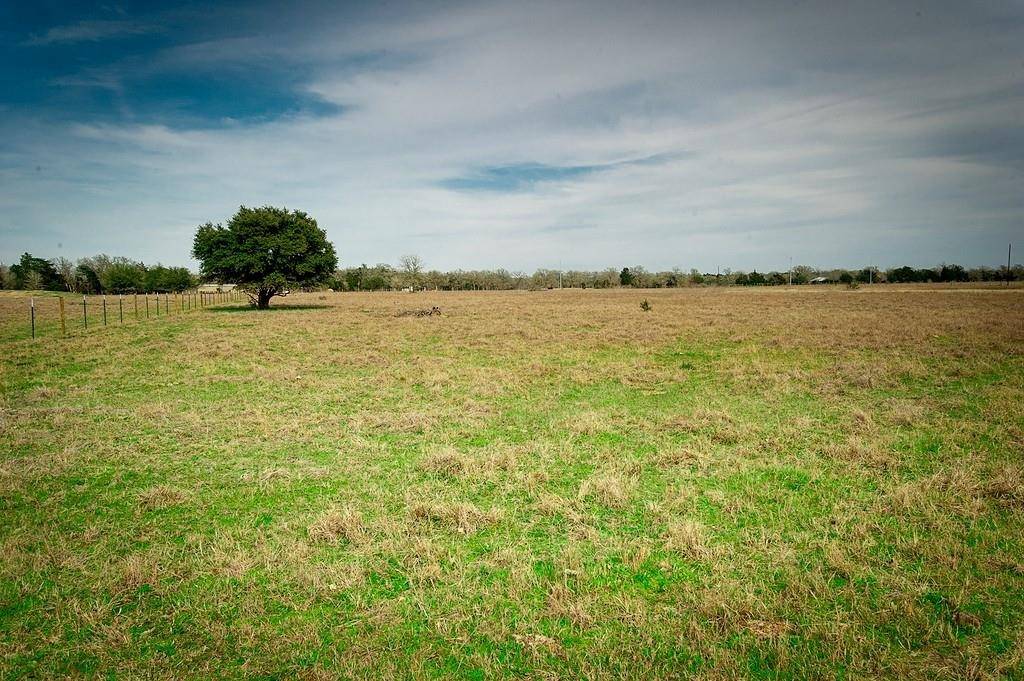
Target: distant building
[[215, 288]]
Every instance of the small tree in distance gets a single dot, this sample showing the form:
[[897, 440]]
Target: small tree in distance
[[412, 267], [264, 251]]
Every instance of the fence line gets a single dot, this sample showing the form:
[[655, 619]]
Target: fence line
[[184, 301]]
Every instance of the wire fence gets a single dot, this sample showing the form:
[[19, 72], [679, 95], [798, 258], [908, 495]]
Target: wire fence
[[63, 315]]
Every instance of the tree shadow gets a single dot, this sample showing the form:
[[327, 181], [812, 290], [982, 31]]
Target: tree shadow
[[272, 308]]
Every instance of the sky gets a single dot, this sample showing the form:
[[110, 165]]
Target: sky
[[571, 135]]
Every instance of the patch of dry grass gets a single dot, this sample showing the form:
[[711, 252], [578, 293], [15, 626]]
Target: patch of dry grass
[[688, 538], [160, 496], [338, 525]]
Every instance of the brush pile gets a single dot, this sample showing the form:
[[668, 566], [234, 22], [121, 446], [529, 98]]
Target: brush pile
[[420, 313]]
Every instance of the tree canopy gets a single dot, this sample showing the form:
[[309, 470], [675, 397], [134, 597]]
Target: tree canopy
[[35, 273], [265, 251]]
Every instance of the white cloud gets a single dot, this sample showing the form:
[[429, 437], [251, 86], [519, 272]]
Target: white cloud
[[90, 31]]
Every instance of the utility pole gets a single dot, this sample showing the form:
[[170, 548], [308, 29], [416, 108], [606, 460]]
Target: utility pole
[[790, 270], [1009, 250]]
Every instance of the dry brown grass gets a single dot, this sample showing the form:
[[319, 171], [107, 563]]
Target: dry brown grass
[[689, 538], [338, 525], [611, 489], [463, 517], [160, 496], [444, 462]]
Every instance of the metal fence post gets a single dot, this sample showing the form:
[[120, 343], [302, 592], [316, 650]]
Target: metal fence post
[[85, 314], [32, 313], [120, 307], [104, 309]]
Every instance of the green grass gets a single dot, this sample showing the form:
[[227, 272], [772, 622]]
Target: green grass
[[737, 484]]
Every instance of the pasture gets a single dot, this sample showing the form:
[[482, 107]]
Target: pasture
[[764, 483]]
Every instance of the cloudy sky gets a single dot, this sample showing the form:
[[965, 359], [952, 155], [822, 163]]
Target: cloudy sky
[[521, 134]]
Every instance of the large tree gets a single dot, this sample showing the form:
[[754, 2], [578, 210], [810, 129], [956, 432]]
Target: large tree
[[265, 251], [35, 273]]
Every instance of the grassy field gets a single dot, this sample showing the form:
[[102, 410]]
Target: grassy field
[[809, 483]]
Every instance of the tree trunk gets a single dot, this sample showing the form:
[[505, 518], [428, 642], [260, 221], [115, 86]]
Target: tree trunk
[[263, 297]]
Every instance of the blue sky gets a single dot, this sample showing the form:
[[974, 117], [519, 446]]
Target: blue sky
[[520, 135]]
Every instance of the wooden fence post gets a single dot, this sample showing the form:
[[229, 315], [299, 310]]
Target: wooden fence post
[[32, 313], [85, 314], [136, 294], [104, 309], [120, 307], [147, 304], [63, 325]]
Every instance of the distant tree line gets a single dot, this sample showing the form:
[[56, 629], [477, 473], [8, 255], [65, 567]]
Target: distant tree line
[[98, 274], [105, 274], [383, 277]]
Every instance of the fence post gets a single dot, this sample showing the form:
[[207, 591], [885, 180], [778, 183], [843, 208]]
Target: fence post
[[147, 304], [120, 307], [136, 294], [85, 314], [104, 309], [32, 313], [63, 326], [167, 302]]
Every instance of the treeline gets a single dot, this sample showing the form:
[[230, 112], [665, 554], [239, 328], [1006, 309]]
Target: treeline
[[98, 274], [383, 277], [105, 274]]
